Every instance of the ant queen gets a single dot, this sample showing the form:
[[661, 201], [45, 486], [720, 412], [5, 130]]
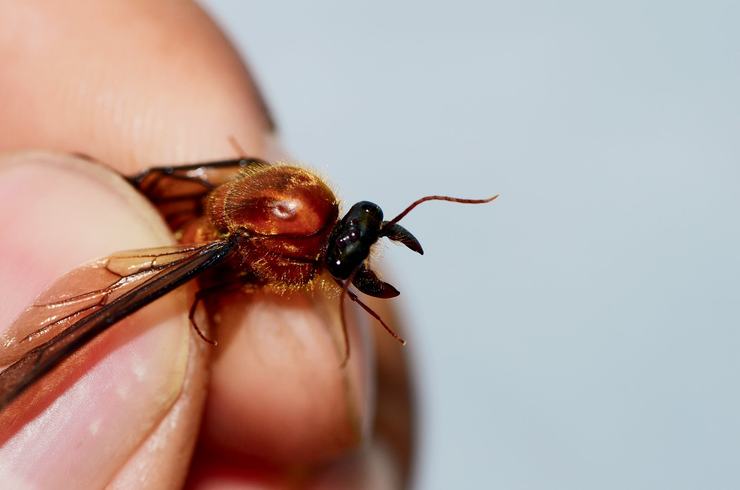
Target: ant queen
[[241, 223]]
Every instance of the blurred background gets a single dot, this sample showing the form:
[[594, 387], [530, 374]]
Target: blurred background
[[583, 331]]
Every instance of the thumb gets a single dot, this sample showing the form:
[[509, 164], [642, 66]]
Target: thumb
[[132, 404]]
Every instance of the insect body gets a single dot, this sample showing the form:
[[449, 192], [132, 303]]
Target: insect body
[[278, 219], [240, 222]]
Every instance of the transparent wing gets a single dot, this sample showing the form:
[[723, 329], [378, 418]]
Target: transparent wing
[[88, 300]]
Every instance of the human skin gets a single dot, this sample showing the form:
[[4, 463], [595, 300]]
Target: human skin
[[132, 84]]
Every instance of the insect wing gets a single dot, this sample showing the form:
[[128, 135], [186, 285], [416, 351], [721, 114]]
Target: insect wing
[[178, 191], [62, 321]]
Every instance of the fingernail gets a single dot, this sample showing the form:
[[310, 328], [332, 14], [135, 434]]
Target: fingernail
[[85, 418]]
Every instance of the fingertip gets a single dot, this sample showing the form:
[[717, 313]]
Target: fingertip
[[278, 391], [59, 212], [62, 212]]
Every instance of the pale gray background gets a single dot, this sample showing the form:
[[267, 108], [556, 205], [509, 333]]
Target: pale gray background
[[583, 332]]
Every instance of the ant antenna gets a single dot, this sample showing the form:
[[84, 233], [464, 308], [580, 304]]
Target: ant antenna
[[346, 292], [439, 198]]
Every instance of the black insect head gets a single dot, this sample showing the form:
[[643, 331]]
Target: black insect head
[[350, 242]]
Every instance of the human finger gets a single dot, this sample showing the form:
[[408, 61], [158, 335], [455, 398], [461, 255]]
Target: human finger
[[87, 419], [161, 100]]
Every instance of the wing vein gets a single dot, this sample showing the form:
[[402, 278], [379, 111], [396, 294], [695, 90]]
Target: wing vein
[[40, 360]]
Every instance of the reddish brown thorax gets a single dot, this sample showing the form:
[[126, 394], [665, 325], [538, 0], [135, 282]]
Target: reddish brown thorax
[[281, 217]]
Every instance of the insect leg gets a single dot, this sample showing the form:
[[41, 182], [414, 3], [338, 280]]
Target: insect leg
[[206, 292], [372, 313], [199, 296], [346, 291]]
